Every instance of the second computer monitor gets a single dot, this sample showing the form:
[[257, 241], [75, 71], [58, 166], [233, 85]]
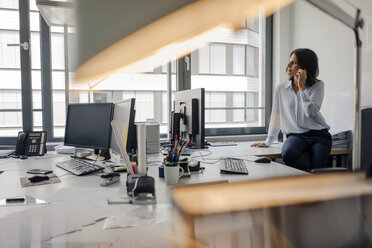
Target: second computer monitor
[[189, 105], [124, 114], [88, 125]]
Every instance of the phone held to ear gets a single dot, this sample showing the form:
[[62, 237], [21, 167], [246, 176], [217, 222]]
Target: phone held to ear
[[31, 144]]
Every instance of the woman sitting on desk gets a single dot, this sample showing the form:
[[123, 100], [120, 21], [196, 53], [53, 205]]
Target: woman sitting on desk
[[295, 111]]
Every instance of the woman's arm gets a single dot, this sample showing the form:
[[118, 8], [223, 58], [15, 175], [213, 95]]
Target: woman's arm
[[274, 126], [312, 99]]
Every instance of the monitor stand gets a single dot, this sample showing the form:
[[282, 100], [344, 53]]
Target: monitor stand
[[103, 153]]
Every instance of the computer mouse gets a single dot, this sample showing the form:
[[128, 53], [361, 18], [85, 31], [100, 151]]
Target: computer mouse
[[38, 178], [263, 160]]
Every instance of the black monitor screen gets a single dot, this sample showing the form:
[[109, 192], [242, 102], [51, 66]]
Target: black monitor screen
[[89, 125]]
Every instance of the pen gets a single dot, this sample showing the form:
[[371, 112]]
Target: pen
[[185, 146], [171, 150]]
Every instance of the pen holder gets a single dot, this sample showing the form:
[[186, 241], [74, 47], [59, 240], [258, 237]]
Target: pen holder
[[172, 172]]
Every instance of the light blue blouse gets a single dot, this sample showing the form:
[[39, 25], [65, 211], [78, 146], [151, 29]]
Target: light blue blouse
[[296, 113]]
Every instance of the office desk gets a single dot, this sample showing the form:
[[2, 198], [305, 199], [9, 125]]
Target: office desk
[[154, 235], [275, 151]]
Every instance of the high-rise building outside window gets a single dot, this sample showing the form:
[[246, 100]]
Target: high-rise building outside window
[[231, 70]]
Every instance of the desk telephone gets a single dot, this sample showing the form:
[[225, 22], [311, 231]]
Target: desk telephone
[[31, 143]]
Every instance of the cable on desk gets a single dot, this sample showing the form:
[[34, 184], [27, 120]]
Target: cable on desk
[[202, 155], [204, 160]]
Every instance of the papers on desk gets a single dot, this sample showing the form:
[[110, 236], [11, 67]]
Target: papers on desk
[[222, 143], [144, 215], [21, 200], [32, 227], [83, 194], [25, 182]]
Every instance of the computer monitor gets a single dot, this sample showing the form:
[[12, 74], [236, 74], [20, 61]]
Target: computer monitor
[[124, 114], [188, 115], [89, 125]]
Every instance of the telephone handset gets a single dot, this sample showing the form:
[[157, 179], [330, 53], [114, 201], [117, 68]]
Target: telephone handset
[[31, 143]]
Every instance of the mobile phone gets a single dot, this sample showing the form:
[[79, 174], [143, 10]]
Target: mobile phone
[[39, 171]]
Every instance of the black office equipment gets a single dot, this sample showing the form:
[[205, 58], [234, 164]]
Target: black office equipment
[[15, 200], [263, 160], [366, 141], [79, 167], [38, 178], [175, 124], [188, 116], [233, 166], [144, 191], [31, 144], [89, 126], [39, 171], [110, 178]]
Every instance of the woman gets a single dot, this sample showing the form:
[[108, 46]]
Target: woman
[[295, 111]]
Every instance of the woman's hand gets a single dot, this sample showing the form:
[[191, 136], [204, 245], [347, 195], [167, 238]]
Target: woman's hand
[[300, 79], [259, 145]]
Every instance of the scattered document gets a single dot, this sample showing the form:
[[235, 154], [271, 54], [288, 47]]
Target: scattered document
[[141, 216], [32, 227], [25, 182], [223, 143]]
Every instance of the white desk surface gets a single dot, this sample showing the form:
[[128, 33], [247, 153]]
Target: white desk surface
[[95, 235]]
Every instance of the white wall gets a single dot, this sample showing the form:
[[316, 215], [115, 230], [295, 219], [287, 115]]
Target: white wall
[[303, 25]]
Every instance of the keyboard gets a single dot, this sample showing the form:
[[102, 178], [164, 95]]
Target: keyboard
[[233, 166], [79, 167]]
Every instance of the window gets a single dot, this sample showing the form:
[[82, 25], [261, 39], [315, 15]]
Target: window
[[144, 104], [148, 87], [10, 71], [212, 59], [57, 43], [238, 59], [215, 100], [232, 73], [252, 61]]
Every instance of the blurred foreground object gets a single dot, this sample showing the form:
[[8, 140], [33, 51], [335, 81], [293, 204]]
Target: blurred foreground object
[[329, 210], [137, 34]]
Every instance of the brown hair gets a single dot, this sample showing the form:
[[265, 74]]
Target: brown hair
[[308, 60]]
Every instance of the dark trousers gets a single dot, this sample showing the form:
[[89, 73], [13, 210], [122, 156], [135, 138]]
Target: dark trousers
[[317, 143]]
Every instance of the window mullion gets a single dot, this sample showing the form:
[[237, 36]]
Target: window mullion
[[67, 76], [268, 69], [24, 36], [184, 73], [46, 79]]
